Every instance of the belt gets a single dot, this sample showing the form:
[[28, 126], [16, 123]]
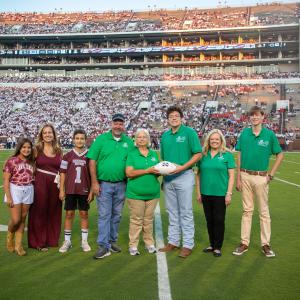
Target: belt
[[113, 181], [260, 173], [46, 172]]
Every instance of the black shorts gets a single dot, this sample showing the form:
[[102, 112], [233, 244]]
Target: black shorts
[[73, 202]]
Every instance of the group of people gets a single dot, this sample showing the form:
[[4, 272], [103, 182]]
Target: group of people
[[37, 78], [153, 20], [115, 168], [23, 109]]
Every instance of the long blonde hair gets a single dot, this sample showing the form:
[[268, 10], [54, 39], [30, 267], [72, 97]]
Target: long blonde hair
[[39, 144], [206, 146]]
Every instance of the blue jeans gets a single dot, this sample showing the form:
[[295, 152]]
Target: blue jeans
[[109, 203], [178, 196]]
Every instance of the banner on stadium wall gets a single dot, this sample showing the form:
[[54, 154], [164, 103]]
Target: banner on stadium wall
[[212, 104], [283, 105], [142, 50]]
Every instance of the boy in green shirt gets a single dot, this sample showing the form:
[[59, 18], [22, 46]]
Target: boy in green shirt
[[180, 145], [255, 146]]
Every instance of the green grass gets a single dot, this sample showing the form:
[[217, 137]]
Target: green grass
[[75, 275]]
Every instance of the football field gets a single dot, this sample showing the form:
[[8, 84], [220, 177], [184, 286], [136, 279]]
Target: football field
[[76, 275]]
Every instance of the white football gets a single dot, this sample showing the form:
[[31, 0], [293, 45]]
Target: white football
[[165, 167]]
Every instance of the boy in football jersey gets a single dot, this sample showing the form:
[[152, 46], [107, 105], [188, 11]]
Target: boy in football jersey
[[75, 189]]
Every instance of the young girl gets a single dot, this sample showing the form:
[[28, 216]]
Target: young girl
[[18, 189]]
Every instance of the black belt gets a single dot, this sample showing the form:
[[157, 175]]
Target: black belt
[[113, 181]]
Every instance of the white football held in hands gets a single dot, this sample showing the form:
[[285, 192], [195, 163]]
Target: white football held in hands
[[165, 167]]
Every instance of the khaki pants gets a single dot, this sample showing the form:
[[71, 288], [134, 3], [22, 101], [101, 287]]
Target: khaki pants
[[255, 186], [141, 219]]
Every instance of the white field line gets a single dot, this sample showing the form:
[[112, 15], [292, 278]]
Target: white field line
[[289, 161], [164, 291], [3, 227], [287, 182]]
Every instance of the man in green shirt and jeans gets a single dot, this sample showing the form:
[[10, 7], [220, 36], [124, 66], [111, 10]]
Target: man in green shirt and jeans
[[107, 157], [255, 146], [180, 145]]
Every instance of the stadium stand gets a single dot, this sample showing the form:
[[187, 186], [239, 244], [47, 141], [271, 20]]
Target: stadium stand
[[64, 68], [23, 110], [154, 20]]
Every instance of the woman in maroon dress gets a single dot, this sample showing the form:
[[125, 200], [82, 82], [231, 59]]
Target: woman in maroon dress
[[44, 223]]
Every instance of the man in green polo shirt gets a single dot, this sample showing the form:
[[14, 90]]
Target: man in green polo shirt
[[108, 156], [255, 146], [180, 145]]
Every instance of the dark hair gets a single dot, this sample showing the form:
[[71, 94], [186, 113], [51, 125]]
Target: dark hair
[[30, 158], [174, 108], [254, 110], [79, 131]]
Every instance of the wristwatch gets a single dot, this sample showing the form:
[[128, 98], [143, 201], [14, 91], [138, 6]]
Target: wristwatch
[[270, 176]]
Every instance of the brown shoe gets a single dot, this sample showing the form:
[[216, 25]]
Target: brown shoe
[[18, 245], [168, 248], [267, 251], [240, 250], [10, 241], [185, 252]]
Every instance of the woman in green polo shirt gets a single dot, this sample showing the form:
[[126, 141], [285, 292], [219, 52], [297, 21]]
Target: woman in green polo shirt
[[214, 184], [143, 192]]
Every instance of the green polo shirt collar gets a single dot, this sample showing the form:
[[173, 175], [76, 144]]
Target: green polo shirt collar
[[112, 137], [260, 133], [180, 129]]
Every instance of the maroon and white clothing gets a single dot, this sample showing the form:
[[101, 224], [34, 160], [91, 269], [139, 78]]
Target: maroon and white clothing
[[21, 171], [44, 222], [75, 166]]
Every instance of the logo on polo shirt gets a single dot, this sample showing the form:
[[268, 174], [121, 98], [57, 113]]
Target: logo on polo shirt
[[125, 145], [153, 159], [180, 139], [263, 143], [221, 157]]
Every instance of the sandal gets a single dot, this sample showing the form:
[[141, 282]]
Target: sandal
[[209, 249], [42, 249], [217, 253]]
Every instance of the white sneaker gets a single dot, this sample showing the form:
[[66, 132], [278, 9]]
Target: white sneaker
[[66, 246], [134, 251], [85, 246], [151, 249]]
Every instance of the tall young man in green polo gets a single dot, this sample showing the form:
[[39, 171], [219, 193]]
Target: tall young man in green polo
[[107, 157], [255, 146], [180, 145]]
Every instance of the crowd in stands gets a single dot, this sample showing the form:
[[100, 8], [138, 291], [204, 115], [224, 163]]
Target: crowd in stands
[[60, 107], [30, 77], [154, 20], [23, 111]]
